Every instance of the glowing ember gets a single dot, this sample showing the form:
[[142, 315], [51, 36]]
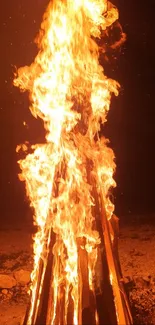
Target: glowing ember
[[70, 93]]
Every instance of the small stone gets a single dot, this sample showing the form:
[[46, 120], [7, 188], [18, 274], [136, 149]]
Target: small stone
[[146, 278], [22, 277], [139, 282], [5, 292], [126, 279], [7, 281], [9, 295]]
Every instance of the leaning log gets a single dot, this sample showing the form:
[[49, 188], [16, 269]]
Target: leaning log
[[87, 305], [121, 304]]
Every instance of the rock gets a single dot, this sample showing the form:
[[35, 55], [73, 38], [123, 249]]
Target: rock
[[9, 295], [146, 278], [4, 291], [7, 281], [22, 277], [126, 279], [142, 282]]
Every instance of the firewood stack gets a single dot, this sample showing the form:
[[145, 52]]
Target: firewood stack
[[109, 303]]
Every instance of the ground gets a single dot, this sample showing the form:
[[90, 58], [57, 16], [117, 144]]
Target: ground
[[136, 251]]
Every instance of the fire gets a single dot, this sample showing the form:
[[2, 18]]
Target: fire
[[71, 94]]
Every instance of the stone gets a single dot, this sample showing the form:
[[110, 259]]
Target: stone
[[9, 295], [4, 291], [126, 279], [146, 278], [7, 281], [22, 277]]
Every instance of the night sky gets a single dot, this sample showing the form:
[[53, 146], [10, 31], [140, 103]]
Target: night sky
[[131, 120]]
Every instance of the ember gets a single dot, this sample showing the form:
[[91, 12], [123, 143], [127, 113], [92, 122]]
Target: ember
[[76, 276]]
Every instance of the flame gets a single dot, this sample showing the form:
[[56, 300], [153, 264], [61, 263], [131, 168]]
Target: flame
[[71, 94]]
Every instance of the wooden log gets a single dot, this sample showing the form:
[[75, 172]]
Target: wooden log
[[104, 294], [50, 301], [70, 312], [43, 261], [83, 270], [105, 298], [87, 299], [114, 222], [48, 278], [82, 278], [114, 274], [89, 313], [60, 307], [56, 315], [41, 300], [35, 306]]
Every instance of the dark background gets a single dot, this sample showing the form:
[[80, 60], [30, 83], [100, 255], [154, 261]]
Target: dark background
[[131, 120]]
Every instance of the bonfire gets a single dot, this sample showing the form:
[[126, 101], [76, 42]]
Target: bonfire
[[76, 277]]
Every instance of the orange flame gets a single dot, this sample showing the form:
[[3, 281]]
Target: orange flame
[[71, 94]]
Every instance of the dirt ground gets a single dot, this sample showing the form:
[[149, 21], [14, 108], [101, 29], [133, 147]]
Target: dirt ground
[[136, 250]]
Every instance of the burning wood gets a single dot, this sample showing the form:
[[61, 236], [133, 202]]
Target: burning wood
[[76, 276]]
